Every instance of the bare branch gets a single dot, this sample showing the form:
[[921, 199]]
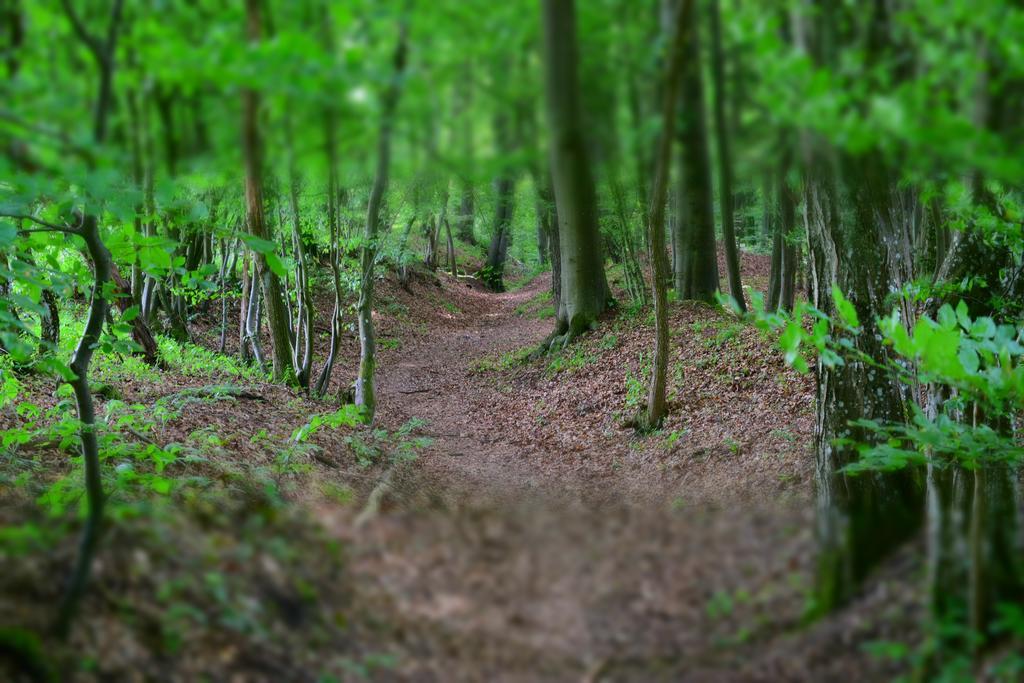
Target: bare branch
[[46, 225], [115, 22], [82, 32]]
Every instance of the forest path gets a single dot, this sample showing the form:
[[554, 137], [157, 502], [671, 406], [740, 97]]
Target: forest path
[[490, 560], [433, 380]]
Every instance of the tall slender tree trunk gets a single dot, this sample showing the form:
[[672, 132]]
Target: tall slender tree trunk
[[104, 54], [466, 217], [277, 314], [330, 150], [727, 199], [546, 197], [784, 262], [493, 274], [696, 267], [243, 311], [656, 405], [584, 287], [302, 320], [365, 391]]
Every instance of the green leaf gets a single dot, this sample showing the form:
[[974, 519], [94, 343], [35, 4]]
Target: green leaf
[[57, 367], [963, 315], [846, 309], [8, 233], [274, 263], [983, 328], [969, 359], [791, 336], [258, 244], [947, 318], [155, 260]]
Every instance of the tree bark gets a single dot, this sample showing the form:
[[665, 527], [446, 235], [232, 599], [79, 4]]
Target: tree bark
[[584, 288], [696, 266], [725, 191], [862, 518], [302, 320], [656, 406], [277, 315], [104, 53], [365, 391], [504, 191]]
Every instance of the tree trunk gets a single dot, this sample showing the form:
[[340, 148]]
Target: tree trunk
[[584, 288], [787, 254], [452, 265], [466, 216], [49, 323], [861, 518], [243, 311], [302, 320], [141, 333], [732, 255], [547, 197], [104, 53], [656, 407], [365, 394], [497, 252], [277, 315], [697, 261], [331, 153]]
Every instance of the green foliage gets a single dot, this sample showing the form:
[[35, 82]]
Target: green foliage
[[636, 387], [502, 362], [347, 416], [674, 437], [569, 360], [977, 360], [196, 361], [535, 306], [398, 447], [608, 342], [1003, 666]]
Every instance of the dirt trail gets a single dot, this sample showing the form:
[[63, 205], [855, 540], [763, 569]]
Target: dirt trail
[[489, 568], [432, 380]]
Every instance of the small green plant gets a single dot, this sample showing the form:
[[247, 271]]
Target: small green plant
[[545, 312], [339, 493], [568, 360], [673, 437], [536, 303], [608, 342], [784, 434], [197, 361], [347, 416], [399, 447], [449, 306], [502, 362], [636, 387], [396, 309]]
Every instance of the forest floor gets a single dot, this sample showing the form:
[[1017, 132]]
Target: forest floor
[[538, 539], [532, 539]]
